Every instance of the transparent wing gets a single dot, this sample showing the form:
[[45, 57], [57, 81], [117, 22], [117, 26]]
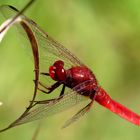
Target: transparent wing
[[49, 52], [46, 43], [84, 110], [49, 109], [61, 104], [78, 115], [49, 49]]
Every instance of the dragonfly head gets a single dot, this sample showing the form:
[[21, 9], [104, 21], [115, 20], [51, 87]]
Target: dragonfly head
[[57, 71]]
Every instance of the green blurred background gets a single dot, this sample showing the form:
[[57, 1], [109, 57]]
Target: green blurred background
[[105, 35]]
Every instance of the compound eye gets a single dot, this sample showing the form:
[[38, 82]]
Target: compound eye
[[61, 74], [57, 71], [52, 73], [58, 63]]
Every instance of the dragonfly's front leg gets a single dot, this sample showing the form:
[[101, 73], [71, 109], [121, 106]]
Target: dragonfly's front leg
[[50, 89], [104, 99], [50, 100], [44, 73]]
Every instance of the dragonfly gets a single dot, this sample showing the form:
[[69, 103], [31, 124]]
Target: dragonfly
[[57, 69]]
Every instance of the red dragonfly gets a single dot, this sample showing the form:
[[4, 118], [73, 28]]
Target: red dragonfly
[[60, 69]]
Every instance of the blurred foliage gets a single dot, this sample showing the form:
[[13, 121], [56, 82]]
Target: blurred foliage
[[105, 36]]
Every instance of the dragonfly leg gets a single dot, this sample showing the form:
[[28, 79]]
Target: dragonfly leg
[[62, 91], [54, 99], [46, 101], [53, 87], [43, 91], [44, 73]]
